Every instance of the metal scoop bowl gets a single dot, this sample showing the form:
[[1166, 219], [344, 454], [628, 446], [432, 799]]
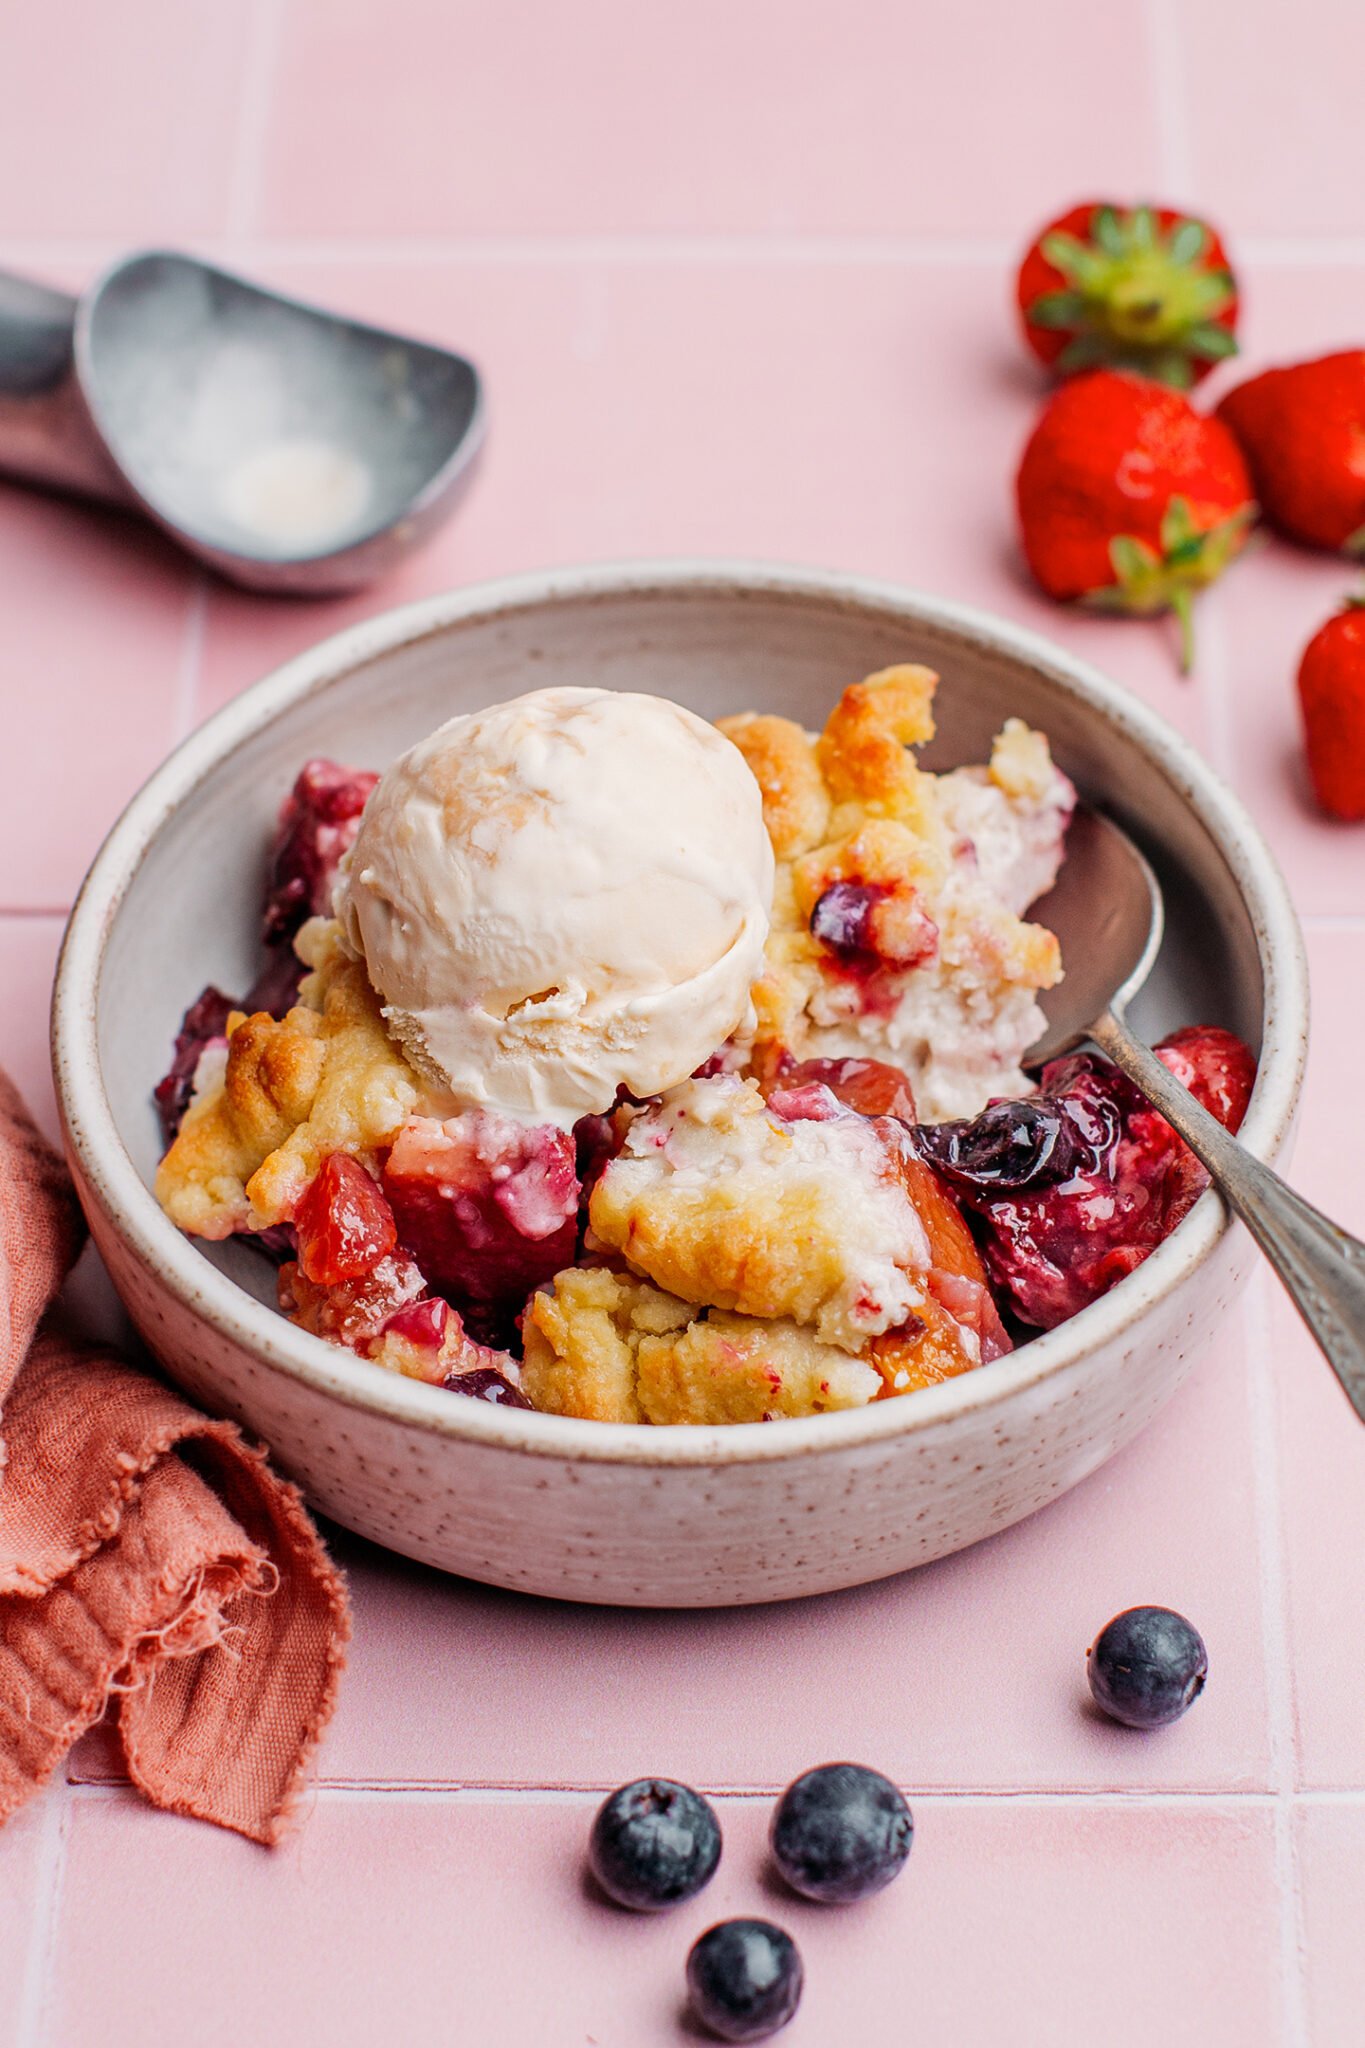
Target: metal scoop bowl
[[290, 448], [1107, 911]]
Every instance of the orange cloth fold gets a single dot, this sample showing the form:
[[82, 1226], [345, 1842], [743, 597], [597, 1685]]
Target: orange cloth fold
[[149, 1557]]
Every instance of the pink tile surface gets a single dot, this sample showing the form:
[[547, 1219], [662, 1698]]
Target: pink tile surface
[[129, 120], [1323, 1456], [768, 118], [738, 279], [975, 1666], [712, 408], [1331, 1846], [470, 1921], [25, 1896], [1279, 600], [28, 957], [96, 619], [1271, 117]]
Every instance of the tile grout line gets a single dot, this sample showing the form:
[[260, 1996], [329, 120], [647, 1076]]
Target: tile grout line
[[1275, 1635], [40, 1968], [1167, 63], [253, 116], [1176, 157], [1302, 253], [431, 1793]]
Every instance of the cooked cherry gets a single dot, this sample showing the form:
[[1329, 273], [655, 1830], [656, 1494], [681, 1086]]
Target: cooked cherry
[[487, 1207], [345, 1226], [872, 1087], [843, 916], [1033, 1143], [203, 1024], [318, 822]]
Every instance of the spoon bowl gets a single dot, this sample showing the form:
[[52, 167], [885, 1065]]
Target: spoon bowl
[[1107, 911], [290, 448]]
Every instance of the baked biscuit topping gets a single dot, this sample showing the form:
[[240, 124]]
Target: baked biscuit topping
[[897, 929], [723, 1203], [764, 1239]]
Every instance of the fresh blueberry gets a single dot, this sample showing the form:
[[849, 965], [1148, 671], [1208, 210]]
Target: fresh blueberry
[[1147, 1666], [840, 1832], [745, 1979], [653, 1844]]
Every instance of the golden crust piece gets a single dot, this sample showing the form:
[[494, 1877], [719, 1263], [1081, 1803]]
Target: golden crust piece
[[264, 1091], [948, 959], [1021, 761], [796, 803], [326, 1078], [722, 1203], [610, 1348]]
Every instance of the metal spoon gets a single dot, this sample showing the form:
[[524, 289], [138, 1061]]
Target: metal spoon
[[1109, 951], [291, 449]]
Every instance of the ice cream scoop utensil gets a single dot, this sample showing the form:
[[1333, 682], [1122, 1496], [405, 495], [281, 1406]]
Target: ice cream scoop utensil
[[1106, 910], [290, 448]]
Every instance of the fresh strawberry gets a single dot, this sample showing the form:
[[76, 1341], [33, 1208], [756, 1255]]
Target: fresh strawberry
[[1332, 697], [1141, 288], [1302, 430], [1131, 500]]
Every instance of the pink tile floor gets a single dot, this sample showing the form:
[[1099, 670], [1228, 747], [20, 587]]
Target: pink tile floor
[[738, 279]]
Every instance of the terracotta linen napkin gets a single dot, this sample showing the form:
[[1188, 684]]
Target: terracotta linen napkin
[[148, 1555]]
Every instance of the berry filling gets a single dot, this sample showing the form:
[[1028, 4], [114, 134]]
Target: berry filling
[[318, 822], [344, 1225], [1076, 1194], [424, 1259], [487, 1207], [351, 1312], [873, 932], [203, 1025]]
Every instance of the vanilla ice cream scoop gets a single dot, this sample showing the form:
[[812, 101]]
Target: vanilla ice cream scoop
[[562, 895]]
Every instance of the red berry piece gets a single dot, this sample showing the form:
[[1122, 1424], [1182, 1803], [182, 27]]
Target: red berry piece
[[1302, 430], [203, 1024], [872, 1087], [1053, 1245], [344, 1225], [1141, 288], [318, 822], [1131, 501], [1332, 700], [352, 1312], [487, 1207]]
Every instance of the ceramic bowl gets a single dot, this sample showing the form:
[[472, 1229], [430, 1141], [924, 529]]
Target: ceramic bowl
[[598, 1512]]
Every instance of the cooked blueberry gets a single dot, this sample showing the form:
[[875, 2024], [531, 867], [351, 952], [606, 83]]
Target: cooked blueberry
[[1147, 1666], [1032, 1143], [745, 1979], [840, 1832], [486, 1383], [843, 916], [653, 1844]]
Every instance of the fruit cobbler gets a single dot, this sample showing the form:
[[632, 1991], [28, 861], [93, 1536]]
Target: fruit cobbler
[[613, 1064]]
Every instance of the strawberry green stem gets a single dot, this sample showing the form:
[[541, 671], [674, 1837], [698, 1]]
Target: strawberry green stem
[[1182, 604]]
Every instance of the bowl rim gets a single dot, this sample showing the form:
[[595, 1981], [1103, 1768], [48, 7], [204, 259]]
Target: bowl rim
[[105, 1172]]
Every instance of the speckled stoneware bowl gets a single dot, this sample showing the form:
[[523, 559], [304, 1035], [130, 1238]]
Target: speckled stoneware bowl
[[590, 1511]]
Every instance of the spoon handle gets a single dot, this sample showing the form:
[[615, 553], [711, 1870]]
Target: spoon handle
[[46, 434], [1322, 1267]]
